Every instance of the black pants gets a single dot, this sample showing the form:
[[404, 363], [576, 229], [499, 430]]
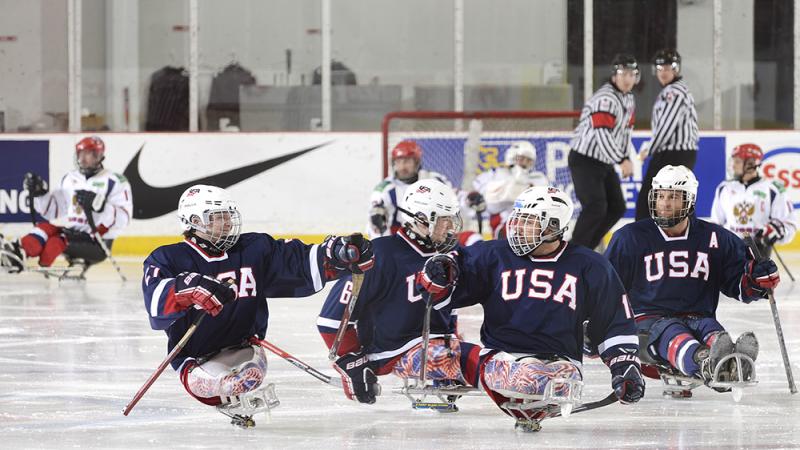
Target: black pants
[[83, 246], [657, 162], [598, 189]]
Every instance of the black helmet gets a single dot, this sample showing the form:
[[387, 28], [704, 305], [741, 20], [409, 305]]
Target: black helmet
[[623, 62], [668, 57]]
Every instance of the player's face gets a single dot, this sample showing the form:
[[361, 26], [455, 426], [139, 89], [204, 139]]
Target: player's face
[[625, 79], [88, 159], [738, 166], [444, 227], [405, 167], [526, 226], [523, 161], [669, 203], [665, 74]]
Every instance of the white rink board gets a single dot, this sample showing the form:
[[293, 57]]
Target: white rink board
[[324, 191]]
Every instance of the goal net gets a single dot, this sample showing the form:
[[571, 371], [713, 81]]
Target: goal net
[[461, 145]]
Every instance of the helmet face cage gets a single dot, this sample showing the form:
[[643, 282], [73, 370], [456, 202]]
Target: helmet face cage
[[525, 233], [220, 227], [687, 206], [441, 232]]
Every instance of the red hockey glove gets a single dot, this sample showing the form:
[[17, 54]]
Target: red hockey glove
[[207, 293], [352, 253], [772, 233], [439, 274], [358, 377]]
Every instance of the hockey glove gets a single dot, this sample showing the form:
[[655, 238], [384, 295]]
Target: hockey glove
[[377, 217], [34, 184], [439, 274], [759, 278], [89, 200], [476, 201], [207, 293], [626, 378], [352, 253], [772, 233], [358, 378]]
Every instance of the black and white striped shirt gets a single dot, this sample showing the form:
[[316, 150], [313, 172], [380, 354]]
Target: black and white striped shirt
[[604, 130], [674, 120]]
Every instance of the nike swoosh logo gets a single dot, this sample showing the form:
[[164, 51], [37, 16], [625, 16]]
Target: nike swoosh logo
[[150, 202]]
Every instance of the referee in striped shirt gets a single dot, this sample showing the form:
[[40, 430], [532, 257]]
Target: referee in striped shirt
[[603, 139], [674, 126]]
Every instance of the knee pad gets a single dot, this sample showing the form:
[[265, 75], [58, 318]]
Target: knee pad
[[228, 374], [526, 377], [443, 363], [33, 243]]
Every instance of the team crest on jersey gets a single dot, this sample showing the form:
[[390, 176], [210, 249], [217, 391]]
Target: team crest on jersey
[[743, 212]]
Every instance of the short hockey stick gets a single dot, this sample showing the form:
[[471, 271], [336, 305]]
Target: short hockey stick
[[102, 244], [358, 279], [334, 381], [785, 267], [175, 350], [610, 399], [777, 321]]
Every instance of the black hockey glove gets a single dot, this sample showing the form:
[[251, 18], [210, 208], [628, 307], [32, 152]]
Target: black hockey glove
[[358, 377], [772, 233], [377, 217], [207, 293], [439, 274], [87, 200], [476, 201], [626, 378], [352, 253], [34, 184]]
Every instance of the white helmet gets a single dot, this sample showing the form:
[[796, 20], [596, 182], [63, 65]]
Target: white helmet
[[520, 148], [211, 204], [673, 178], [541, 214], [434, 208]]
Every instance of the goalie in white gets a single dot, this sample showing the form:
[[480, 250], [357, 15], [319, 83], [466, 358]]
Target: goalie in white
[[749, 204], [500, 186]]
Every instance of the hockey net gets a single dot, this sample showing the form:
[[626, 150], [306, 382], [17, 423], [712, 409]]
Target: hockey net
[[461, 145]]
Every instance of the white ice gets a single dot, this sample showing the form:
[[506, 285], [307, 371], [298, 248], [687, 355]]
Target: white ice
[[72, 355]]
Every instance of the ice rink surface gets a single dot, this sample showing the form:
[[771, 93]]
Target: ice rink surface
[[72, 355]]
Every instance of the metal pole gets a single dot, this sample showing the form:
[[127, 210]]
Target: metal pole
[[717, 54], [74, 84], [588, 49], [796, 115], [193, 65], [458, 55], [326, 65]]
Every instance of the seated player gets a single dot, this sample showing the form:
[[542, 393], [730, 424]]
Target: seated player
[[749, 204], [90, 198], [389, 311], [500, 186], [536, 291], [674, 267], [217, 271]]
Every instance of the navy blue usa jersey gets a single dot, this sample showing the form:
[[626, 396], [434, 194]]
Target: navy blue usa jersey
[[538, 305], [261, 267], [678, 275], [389, 310]]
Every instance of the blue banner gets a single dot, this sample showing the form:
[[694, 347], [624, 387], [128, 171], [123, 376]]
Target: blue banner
[[552, 152], [20, 157]]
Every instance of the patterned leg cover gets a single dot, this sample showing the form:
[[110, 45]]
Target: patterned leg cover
[[506, 378], [444, 356], [228, 374], [44, 241]]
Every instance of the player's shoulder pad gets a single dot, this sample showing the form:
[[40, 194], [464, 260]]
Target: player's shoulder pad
[[380, 187], [779, 186]]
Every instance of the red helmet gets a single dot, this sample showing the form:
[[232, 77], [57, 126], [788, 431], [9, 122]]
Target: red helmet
[[91, 143], [748, 151], [407, 149]]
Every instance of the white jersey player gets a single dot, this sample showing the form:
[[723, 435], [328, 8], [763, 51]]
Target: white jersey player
[[751, 205], [500, 186], [384, 217], [89, 199]]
